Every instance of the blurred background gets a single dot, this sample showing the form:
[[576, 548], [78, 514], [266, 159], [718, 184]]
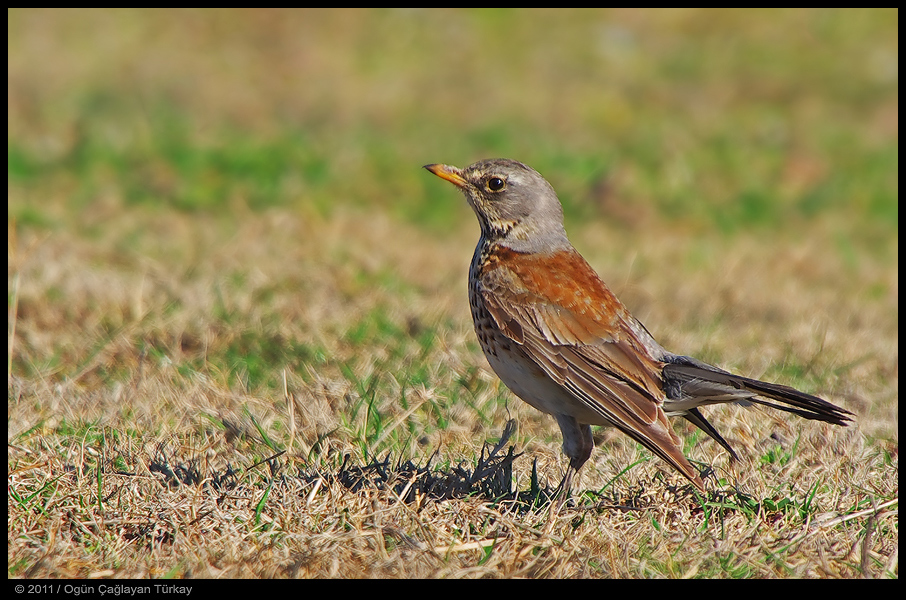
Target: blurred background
[[746, 118], [231, 192]]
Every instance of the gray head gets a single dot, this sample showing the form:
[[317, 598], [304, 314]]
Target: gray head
[[514, 203]]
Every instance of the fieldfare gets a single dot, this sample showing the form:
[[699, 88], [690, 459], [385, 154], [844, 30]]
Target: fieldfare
[[561, 341]]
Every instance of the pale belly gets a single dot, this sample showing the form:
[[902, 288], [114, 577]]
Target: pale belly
[[528, 381]]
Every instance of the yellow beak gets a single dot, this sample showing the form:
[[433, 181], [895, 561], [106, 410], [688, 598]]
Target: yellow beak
[[451, 174]]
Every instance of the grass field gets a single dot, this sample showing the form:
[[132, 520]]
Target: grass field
[[239, 342]]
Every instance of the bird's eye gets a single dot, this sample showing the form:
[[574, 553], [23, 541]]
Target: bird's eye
[[495, 184]]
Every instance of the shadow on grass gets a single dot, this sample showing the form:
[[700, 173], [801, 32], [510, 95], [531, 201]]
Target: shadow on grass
[[491, 480]]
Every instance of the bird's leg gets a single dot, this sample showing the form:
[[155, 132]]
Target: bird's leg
[[577, 445], [561, 494]]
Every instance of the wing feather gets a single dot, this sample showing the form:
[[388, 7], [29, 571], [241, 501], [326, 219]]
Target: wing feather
[[577, 331]]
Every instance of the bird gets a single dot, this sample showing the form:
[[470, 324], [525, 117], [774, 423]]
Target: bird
[[560, 340]]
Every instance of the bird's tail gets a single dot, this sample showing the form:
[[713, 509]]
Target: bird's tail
[[690, 383]]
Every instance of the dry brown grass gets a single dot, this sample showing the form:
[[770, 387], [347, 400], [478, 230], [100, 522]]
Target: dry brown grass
[[154, 476], [150, 431]]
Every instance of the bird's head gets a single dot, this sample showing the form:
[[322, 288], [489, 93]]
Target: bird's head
[[514, 203]]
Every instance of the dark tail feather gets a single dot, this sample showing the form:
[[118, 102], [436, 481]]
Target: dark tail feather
[[696, 418], [690, 383]]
